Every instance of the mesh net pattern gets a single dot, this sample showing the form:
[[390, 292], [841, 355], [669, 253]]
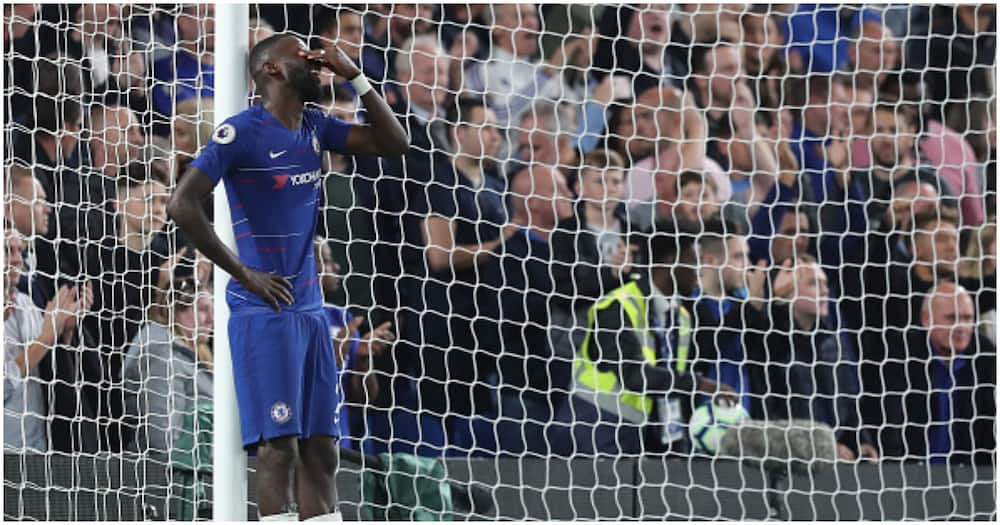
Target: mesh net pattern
[[604, 214]]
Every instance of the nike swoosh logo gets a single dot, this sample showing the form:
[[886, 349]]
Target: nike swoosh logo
[[278, 154]]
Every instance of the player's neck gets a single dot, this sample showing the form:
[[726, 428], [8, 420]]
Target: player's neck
[[286, 108]]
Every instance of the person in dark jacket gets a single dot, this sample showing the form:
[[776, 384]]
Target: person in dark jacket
[[941, 400], [728, 303], [812, 373], [592, 250]]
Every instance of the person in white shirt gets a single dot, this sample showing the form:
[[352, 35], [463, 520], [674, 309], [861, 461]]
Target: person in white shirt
[[29, 334]]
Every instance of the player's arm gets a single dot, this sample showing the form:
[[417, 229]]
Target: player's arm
[[385, 136], [186, 209]]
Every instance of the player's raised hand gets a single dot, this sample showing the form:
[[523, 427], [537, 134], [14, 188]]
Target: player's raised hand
[[273, 289], [337, 61]]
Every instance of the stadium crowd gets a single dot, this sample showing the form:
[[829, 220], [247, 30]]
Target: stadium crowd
[[607, 216]]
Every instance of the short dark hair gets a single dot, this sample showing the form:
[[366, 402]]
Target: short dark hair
[[667, 243], [701, 52], [940, 214], [715, 232], [463, 107], [328, 18], [260, 52]]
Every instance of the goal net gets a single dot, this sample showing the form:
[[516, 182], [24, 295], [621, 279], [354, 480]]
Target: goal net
[[727, 261]]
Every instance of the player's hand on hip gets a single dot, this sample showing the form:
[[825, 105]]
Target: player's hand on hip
[[273, 289], [335, 60]]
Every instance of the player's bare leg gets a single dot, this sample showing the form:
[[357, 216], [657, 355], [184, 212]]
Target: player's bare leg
[[276, 460], [317, 477]]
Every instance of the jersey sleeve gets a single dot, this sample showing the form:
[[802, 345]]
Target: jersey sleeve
[[228, 144], [333, 133]]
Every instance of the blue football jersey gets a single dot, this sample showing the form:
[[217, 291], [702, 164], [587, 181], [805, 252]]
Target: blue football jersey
[[273, 178]]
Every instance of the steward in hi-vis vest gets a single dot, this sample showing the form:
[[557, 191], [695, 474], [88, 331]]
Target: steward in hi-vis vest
[[632, 374]]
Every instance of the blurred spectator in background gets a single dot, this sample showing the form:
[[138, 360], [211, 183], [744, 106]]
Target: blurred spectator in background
[[512, 78], [763, 51], [725, 309], [116, 139], [193, 126], [593, 250], [941, 399], [956, 61], [29, 334], [818, 138], [20, 49], [872, 52], [129, 272], [167, 370], [640, 56], [190, 72], [534, 370], [719, 87], [96, 38], [396, 188], [459, 337], [345, 26], [544, 137], [352, 352], [28, 213], [811, 372], [390, 27], [662, 135]]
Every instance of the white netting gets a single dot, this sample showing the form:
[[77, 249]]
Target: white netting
[[597, 201]]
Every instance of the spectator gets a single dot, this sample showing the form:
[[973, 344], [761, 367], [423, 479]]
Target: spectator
[[818, 140], [956, 60], [861, 199], [697, 198], [535, 371], [30, 333], [345, 25], [790, 240], [351, 351], [872, 52], [512, 78], [765, 67], [128, 272], [115, 139], [27, 208], [941, 404], [956, 163], [812, 373], [978, 270], [167, 370], [396, 188], [193, 126], [94, 39], [817, 36], [719, 87], [544, 137], [724, 309], [20, 49], [190, 72], [631, 377], [459, 314], [665, 136], [389, 29], [640, 56], [593, 250]]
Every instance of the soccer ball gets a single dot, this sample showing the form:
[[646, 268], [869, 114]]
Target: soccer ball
[[710, 421]]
